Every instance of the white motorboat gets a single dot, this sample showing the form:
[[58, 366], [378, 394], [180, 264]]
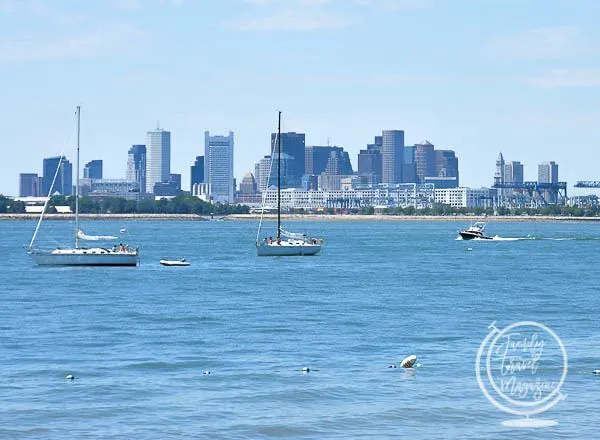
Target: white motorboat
[[285, 243], [474, 231], [123, 255]]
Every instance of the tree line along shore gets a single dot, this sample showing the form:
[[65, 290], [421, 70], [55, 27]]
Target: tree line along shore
[[189, 207]]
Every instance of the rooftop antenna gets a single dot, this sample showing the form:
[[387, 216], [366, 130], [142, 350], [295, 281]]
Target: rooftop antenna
[[328, 141], [158, 124]]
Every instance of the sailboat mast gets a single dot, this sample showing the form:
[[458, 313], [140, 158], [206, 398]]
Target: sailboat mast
[[77, 182], [279, 178]]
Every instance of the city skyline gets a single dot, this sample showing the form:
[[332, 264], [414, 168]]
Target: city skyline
[[429, 165], [524, 80]]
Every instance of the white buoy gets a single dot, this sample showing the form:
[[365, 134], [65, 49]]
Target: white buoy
[[69, 377], [596, 372], [469, 249], [408, 361], [306, 370]]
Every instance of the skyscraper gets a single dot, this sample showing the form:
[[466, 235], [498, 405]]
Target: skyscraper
[[338, 163], [218, 166], [370, 162], [136, 166], [293, 145], [29, 185], [197, 171], [409, 167], [158, 159], [248, 184], [64, 178], [548, 172], [446, 164], [93, 170], [318, 157], [392, 152], [257, 174], [425, 160], [513, 172], [264, 175]]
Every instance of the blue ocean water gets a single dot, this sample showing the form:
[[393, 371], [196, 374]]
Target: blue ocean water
[[139, 340]]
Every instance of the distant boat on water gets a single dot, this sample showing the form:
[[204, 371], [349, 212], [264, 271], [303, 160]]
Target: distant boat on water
[[182, 262], [476, 230], [285, 243], [80, 256]]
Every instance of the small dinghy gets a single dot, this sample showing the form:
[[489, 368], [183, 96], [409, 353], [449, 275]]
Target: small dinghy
[[181, 262]]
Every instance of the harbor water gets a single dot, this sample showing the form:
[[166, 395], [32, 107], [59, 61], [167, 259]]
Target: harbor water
[[216, 350]]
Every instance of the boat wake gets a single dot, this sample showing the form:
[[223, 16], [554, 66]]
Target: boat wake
[[497, 238], [529, 237]]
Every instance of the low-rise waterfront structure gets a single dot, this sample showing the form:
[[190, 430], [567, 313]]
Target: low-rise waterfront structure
[[465, 197]]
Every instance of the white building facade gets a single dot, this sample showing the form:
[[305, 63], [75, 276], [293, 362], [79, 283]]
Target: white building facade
[[464, 197], [417, 196]]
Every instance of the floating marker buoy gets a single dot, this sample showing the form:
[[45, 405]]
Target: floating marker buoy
[[409, 361], [69, 377], [469, 249], [392, 366], [596, 372], [206, 372], [306, 370]]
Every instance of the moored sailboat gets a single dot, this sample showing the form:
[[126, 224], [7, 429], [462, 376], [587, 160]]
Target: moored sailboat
[[285, 243], [80, 256]]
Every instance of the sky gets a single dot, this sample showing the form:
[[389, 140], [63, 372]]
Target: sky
[[521, 77]]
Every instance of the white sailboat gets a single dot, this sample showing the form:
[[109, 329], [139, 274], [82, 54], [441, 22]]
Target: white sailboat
[[122, 255], [285, 243]]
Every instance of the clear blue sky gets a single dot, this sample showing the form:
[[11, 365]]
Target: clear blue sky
[[517, 76]]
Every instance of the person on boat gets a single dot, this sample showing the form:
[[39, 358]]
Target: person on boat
[[270, 240], [121, 247], [278, 240]]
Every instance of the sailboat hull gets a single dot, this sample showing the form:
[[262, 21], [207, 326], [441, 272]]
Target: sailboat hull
[[284, 250], [42, 258]]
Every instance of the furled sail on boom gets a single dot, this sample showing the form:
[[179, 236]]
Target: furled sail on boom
[[83, 236]]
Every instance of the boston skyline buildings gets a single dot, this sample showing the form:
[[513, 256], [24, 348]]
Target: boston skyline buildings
[[136, 166], [308, 167], [218, 166], [158, 158]]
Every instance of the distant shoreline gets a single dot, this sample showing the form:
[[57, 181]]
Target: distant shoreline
[[302, 217]]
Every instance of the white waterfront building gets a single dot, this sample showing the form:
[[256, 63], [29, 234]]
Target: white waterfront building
[[464, 197], [401, 195], [382, 196], [218, 166], [158, 158]]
